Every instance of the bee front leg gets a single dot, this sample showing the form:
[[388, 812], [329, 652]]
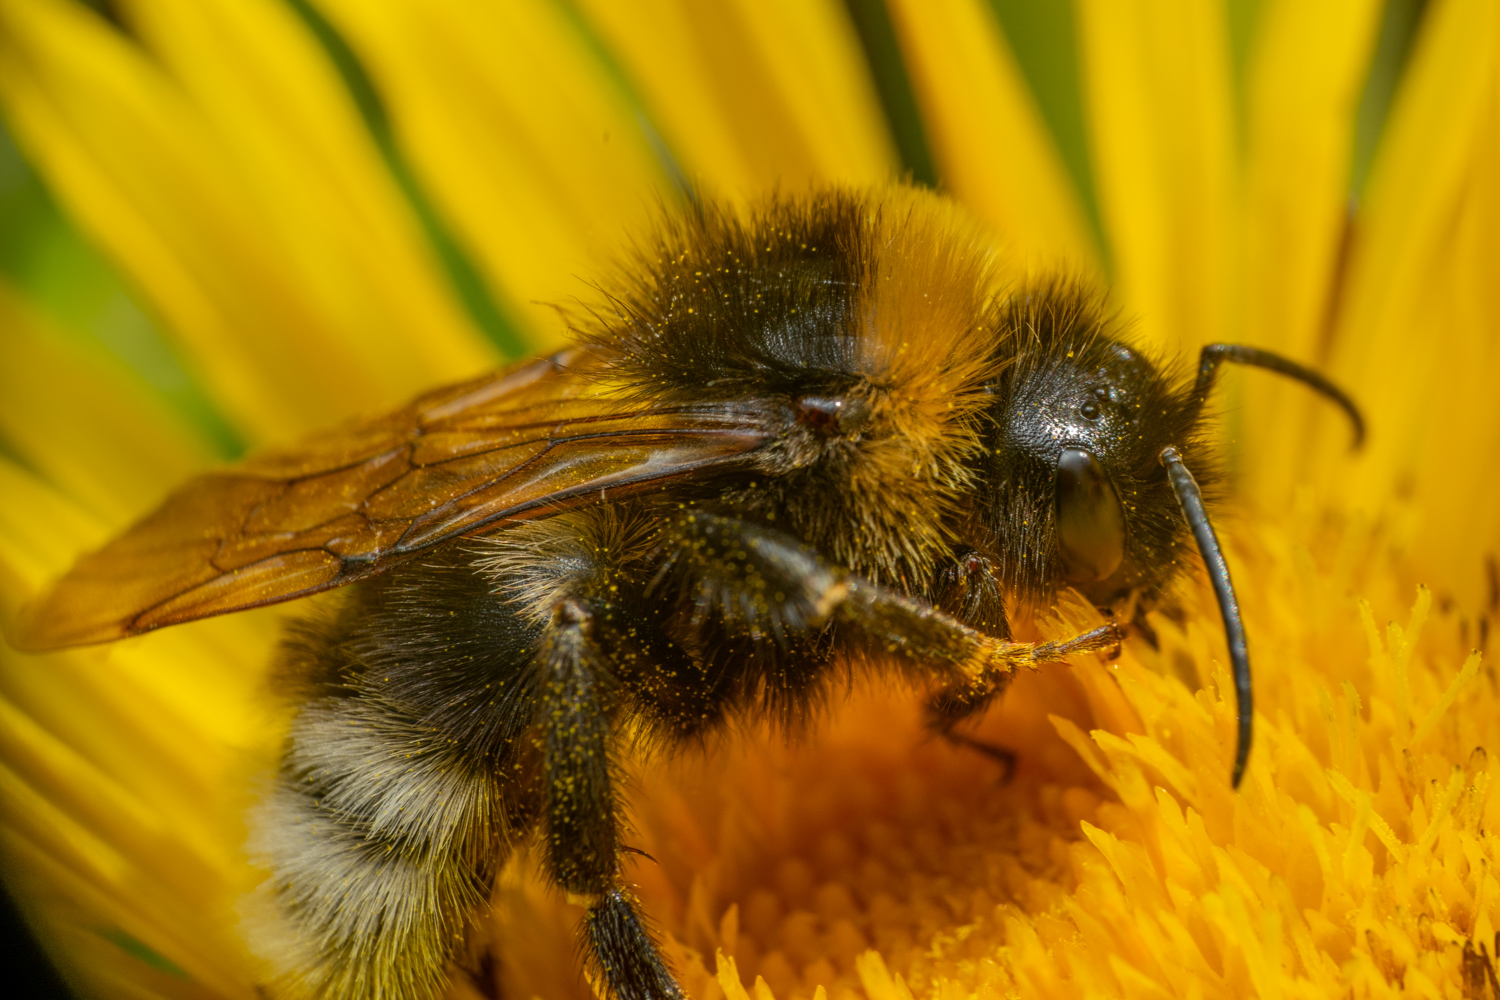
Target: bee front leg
[[952, 704], [578, 693], [967, 587]]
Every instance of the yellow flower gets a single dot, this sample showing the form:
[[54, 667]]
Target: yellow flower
[[332, 205]]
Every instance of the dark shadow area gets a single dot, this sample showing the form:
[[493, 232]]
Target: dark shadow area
[[28, 973]]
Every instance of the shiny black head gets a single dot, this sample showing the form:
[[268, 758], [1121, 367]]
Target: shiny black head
[[1077, 495], [1085, 483]]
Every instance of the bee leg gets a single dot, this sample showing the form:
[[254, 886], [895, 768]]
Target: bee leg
[[765, 582], [578, 691], [484, 975], [952, 704], [1000, 755], [967, 587]]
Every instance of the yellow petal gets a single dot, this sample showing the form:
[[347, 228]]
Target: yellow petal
[[753, 95], [257, 73], [125, 777], [40, 535], [1419, 326], [517, 127], [1304, 81], [271, 238], [1161, 129], [81, 861], [84, 424], [990, 145]]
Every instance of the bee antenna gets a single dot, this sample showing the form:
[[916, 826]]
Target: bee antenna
[[1191, 500], [1216, 354]]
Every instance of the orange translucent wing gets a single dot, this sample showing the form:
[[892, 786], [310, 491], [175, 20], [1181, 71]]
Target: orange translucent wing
[[525, 442]]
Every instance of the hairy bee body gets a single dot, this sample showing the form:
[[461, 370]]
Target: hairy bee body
[[458, 700], [822, 437]]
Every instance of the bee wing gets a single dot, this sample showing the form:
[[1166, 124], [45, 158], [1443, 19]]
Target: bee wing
[[525, 442]]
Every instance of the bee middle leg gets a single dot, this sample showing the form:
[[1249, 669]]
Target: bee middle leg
[[766, 582], [955, 703], [770, 586]]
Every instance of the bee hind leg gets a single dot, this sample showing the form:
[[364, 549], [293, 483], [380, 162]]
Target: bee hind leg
[[582, 842]]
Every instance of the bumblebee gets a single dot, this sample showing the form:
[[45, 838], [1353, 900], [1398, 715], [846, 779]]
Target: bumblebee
[[816, 438]]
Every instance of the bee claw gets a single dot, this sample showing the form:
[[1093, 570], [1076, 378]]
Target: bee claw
[[1119, 645]]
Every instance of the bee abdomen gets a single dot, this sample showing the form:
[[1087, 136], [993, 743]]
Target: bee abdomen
[[381, 847]]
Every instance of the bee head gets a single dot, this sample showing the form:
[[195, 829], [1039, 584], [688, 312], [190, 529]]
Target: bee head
[[1075, 492], [1084, 481]]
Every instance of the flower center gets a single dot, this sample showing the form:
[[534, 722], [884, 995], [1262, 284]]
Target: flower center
[[796, 859]]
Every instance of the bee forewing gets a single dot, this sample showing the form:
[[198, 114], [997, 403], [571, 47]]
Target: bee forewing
[[522, 443]]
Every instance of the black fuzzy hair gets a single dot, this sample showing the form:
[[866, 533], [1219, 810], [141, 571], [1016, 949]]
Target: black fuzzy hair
[[430, 641], [716, 303]]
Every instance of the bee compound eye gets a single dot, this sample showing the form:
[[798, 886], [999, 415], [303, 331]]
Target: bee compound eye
[[1090, 521]]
